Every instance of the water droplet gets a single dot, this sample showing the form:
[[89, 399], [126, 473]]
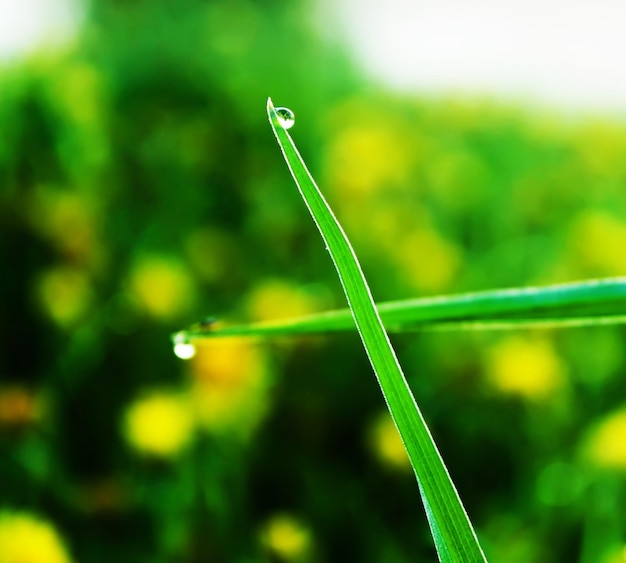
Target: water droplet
[[182, 347], [285, 117]]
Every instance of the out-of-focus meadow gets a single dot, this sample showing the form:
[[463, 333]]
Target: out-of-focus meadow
[[141, 190]]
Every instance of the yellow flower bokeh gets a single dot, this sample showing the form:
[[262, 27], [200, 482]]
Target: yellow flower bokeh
[[429, 262], [525, 366], [159, 424], [605, 443], [65, 294], [598, 240], [25, 538], [163, 286], [229, 361], [386, 443], [366, 158], [280, 299], [370, 150], [287, 537], [229, 384]]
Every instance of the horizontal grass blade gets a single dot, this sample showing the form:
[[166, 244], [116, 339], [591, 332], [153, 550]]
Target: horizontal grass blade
[[582, 303], [452, 531]]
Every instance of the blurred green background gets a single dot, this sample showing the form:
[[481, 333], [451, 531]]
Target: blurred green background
[[141, 190]]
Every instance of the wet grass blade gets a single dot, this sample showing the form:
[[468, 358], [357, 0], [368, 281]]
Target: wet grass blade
[[455, 539], [574, 304]]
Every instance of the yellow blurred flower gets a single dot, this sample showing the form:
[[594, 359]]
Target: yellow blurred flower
[[229, 384], [364, 159], [229, 362], [370, 154], [65, 294], [287, 537], [163, 286], [429, 262], [528, 367], [598, 240], [387, 444], [280, 299], [159, 424], [233, 411], [25, 538], [605, 443]]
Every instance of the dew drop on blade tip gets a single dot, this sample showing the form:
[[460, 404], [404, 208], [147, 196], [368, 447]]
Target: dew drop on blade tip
[[183, 348], [286, 118]]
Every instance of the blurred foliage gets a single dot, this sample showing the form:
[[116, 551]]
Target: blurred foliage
[[141, 190]]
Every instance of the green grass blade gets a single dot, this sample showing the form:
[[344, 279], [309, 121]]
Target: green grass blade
[[452, 531], [583, 303]]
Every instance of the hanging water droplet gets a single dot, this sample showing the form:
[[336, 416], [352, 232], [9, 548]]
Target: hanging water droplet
[[182, 347], [286, 118]]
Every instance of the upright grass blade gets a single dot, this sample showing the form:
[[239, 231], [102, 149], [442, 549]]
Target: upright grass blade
[[452, 531], [590, 302]]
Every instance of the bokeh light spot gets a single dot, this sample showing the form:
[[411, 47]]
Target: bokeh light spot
[[25, 538], [286, 537], [528, 367], [605, 443], [159, 424]]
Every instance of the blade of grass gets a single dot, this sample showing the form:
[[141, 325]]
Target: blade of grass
[[455, 539], [573, 304]]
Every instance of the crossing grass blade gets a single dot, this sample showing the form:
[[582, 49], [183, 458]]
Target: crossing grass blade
[[455, 539], [590, 302]]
